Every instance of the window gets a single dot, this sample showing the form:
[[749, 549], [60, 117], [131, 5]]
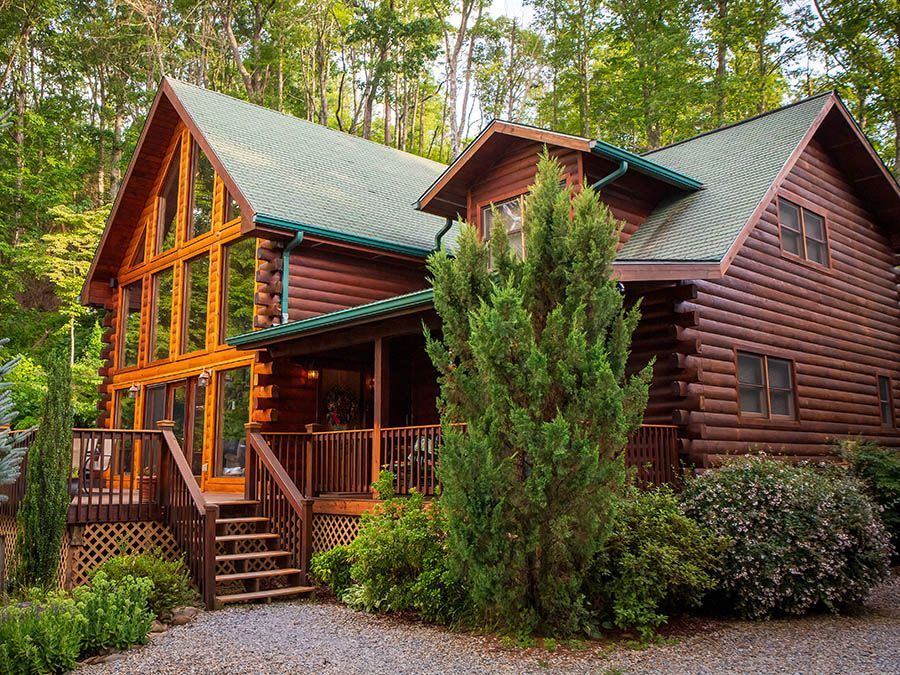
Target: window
[[232, 209], [765, 385], [202, 182], [885, 401], [161, 337], [239, 283], [509, 215], [138, 256], [131, 323], [234, 413], [167, 206], [802, 232], [196, 299], [125, 409]]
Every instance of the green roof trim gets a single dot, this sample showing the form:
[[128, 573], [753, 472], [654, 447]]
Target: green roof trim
[[645, 166], [293, 329], [306, 228]]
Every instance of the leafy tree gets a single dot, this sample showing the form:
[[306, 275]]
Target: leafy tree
[[42, 517], [10, 456], [532, 358]]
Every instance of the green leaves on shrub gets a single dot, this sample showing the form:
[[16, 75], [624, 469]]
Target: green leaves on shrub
[[800, 538], [656, 560], [879, 469], [116, 613], [43, 638], [171, 580], [397, 562]]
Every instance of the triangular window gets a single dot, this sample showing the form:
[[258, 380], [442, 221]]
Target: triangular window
[[167, 209]]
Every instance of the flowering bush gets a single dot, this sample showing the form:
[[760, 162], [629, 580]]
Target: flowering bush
[[800, 538], [879, 469]]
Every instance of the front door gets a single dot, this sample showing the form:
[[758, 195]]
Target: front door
[[186, 404]]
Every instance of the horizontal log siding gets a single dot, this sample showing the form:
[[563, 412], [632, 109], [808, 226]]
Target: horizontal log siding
[[840, 326]]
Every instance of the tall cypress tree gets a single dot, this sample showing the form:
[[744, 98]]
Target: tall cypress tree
[[532, 357], [42, 518]]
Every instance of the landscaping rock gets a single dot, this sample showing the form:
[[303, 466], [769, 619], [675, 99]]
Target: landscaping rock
[[158, 627], [183, 615]]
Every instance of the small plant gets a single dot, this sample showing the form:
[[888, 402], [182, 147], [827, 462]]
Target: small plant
[[332, 568], [171, 581], [41, 638], [879, 469], [116, 612], [801, 539], [656, 560]]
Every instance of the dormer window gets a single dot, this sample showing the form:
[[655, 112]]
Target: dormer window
[[802, 232], [167, 205], [510, 215], [203, 180]]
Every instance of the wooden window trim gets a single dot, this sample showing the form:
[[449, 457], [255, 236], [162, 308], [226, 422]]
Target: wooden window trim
[[803, 207], [122, 321], [151, 336], [496, 203], [174, 154], [767, 419], [495, 199], [892, 424], [186, 283]]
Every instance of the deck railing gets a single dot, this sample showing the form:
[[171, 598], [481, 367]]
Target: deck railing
[[15, 492], [191, 520], [653, 451], [279, 496], [340, 461], [115, 475]]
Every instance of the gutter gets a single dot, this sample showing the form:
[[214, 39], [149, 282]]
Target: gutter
[[615, 175], [440, 235], [645, 166], [285, 269]]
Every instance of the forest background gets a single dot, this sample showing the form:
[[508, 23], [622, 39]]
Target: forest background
[[77, 77]]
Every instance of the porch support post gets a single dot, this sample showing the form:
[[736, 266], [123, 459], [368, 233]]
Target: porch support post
[[250, 461], [382, 402]]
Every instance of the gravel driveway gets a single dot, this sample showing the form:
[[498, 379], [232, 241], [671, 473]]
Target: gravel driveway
[[306, 637]]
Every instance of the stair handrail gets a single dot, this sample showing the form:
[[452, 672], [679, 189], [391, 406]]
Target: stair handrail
[[299, 503], [205, 573]]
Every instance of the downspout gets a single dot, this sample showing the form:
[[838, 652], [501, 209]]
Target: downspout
[[615, 175], [440, 235], [285, 269]]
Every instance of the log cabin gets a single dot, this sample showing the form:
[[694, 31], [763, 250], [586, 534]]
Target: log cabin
[[264, 285]]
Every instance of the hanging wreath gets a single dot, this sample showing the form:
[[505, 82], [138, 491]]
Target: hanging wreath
[[341, 406]]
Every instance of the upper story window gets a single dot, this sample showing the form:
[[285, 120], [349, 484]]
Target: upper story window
[[509, 213], [196, 302], [802, 232], [232, 209], [203, 181], [239, 288], [161, 335], [131, 324], [167, 205], [885, 401], [765, 386]]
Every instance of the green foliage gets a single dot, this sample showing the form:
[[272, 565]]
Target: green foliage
[[656, 560], [171, 582], [116, 612], [42, 517], [532, 357], [44, 638], [397, 562], [801, 539], [10, 456], [879, 469]]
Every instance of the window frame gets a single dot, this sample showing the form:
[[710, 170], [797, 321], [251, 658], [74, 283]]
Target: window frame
[[154, 302], [123, 324], [173, 164], [191, 235], [892, 422], [225, 285], [767, 416], [486, 205], [218, 449], [186, 285], [803, 208]]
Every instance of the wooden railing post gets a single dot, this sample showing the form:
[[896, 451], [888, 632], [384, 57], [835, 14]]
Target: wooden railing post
[[165, 478], [309, 487], [250, 480], [210, 515], [306, 541]]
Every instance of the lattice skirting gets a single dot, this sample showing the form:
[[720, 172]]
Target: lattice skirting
[[332, 529], [9, 531], [95, 543]]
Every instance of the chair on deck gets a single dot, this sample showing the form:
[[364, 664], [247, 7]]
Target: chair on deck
[[97, 457]]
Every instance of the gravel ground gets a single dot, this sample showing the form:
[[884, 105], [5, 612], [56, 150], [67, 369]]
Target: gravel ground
[[307, 637]]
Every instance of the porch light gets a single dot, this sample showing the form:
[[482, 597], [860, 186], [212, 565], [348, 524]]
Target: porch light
[[312, 374], [133, 390], [203, 378]]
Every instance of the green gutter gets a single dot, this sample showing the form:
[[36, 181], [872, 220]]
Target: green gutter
[[285, 273], [372, 310], [645, 166], [272, 221]]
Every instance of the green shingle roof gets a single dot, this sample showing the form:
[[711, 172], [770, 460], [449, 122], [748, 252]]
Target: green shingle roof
[[736, 165], [297, 172]]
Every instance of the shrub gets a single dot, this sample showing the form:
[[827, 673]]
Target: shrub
[[657, 559], [332, 568], [800, 538], [879, 469], [171, 581], [116, 612], [43, 638]]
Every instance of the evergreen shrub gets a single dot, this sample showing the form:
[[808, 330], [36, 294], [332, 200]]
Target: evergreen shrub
[[879, 469]]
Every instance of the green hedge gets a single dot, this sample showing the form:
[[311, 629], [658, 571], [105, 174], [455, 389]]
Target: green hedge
[[171, 580]]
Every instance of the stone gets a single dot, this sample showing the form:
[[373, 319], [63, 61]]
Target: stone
[[183, 615], [158, 627]]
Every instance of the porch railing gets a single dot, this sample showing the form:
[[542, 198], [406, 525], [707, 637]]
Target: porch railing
[[15, 492], [280, 500], [653, 451], [340, 461], [115, 475]]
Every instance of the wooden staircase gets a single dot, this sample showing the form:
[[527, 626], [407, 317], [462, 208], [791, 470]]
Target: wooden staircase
[[250, 564]]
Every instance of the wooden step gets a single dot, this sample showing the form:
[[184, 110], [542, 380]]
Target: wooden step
[[246, 537], [265, 595], [253, 555], [237, 502], [261, 574], [243, 519]]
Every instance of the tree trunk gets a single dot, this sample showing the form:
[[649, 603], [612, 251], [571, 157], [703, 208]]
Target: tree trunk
[[118, 134], [721, 60]]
